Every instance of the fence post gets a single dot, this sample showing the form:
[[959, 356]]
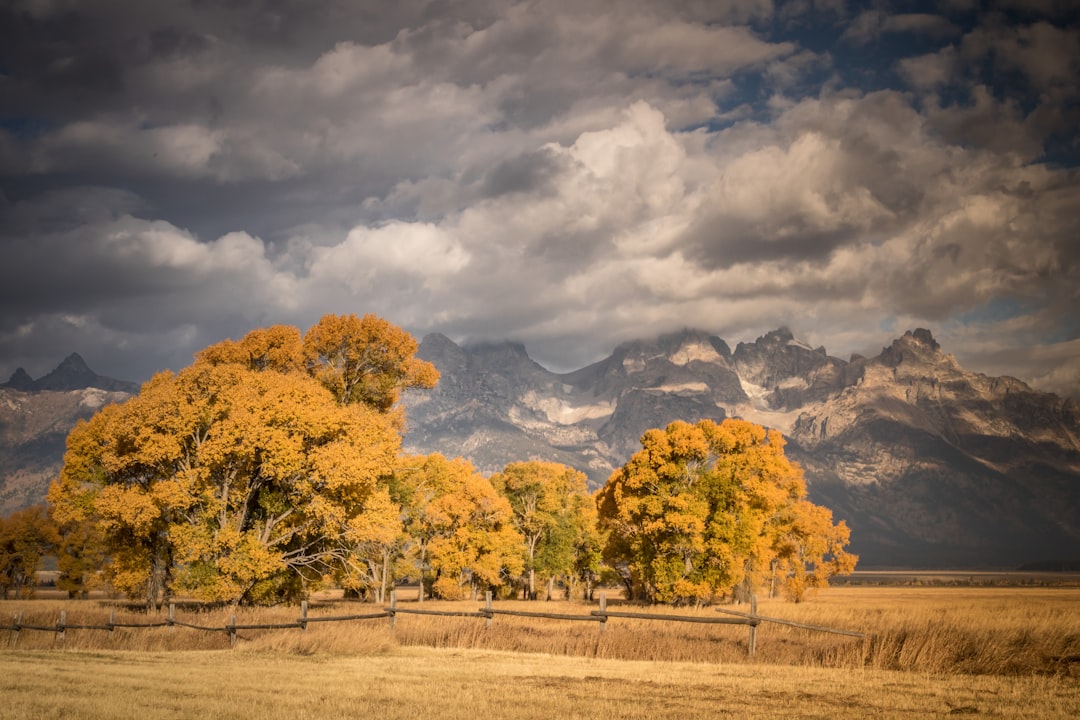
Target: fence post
[[61, 627], [172, 617], [112, 623], [18, 627], [603, 609], [752, 645], [487, 606], [303, 616], [232, 631], [392, 612]]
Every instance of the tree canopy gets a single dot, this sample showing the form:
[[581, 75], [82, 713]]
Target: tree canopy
[[460, 529], [247, 474], [557, 519], [707, 509]]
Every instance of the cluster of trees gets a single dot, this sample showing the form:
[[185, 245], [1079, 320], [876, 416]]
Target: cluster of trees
[[273, 465], [707, 509]]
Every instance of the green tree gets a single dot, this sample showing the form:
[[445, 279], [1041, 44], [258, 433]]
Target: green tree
[[555, 516], [704, 510], [242, 478], [26, 537]]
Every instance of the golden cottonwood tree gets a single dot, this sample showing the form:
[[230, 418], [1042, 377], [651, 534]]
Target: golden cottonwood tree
[[703, 510], [238, 479], [557, 518], [459, 528], [365, 360]]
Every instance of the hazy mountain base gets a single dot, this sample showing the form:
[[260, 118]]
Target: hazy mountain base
[[929, 464]]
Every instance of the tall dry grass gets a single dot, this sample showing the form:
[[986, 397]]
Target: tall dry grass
[[974, 631]]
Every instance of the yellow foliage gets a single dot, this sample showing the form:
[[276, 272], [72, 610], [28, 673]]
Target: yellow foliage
[[707, 509], [253, 470], [460, 526], [365, 360]]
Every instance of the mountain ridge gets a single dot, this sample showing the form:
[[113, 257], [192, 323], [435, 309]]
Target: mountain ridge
[[71, 374], [929, 463]]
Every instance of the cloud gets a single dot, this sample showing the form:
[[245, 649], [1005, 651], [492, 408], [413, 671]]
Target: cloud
[[571, 174], [870, 25]]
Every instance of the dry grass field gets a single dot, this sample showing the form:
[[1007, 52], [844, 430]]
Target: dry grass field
[[929, 651]]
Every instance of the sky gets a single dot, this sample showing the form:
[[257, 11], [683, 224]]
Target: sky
[[570, 174]]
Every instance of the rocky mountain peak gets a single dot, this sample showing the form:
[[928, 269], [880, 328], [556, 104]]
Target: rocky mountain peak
[[778, 357], [443, 352], [914, 346], [20, 380], [71, 374], [678, 348]]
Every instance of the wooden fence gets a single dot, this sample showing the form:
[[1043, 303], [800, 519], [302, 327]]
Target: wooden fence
[[488, 612]]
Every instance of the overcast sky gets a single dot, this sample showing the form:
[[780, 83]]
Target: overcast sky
[[570, 174]]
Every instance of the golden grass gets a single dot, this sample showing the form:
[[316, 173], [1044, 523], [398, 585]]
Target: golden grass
[[1000, 652], [458, 684], [1002, 631]]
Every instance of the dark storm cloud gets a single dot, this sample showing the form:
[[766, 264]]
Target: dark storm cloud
[[570, 173]]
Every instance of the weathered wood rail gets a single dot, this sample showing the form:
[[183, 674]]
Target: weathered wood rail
[[488, 612]]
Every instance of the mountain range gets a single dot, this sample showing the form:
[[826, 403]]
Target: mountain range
[[929, 464], [35, 418]]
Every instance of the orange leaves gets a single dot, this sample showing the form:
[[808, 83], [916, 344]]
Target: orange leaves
[[279, 348], [702, 508], [250, 468], [365, 360], [461, 526]]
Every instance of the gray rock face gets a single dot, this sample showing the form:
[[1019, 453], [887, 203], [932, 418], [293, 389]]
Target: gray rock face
[[930, 465]]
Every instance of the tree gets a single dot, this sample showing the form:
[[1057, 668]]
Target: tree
[[553, 512], [26, 537], [242, 478], [375, 540], [707, 509], [82, 558], [459, 527], [365, 360]]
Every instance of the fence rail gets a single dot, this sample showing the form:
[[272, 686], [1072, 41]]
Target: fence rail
[[488, 612]]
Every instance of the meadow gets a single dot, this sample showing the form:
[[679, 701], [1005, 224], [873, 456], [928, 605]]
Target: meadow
[[929, 650]]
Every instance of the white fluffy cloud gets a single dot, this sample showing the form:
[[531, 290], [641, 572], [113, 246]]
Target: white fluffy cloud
[[571, 174]]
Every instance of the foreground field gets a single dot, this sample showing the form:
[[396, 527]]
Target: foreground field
[[453, 684], [928, 651]]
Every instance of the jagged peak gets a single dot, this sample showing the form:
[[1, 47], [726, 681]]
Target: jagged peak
[[437, 343], [74, 374], [914, 344], [923, 336], [437, 338], [680, 347], [779, 338], [20, 380], [73, 362]]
